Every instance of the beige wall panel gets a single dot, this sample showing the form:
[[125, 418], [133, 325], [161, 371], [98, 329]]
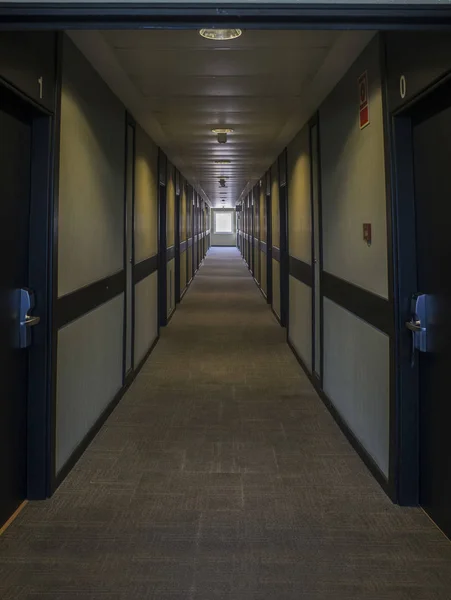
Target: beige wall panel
[[190, 263], [263, 213], [146, 315], [170, 286], [170, 206], [183, 279], [264, 282], [299, 200], [91, 181], [183, 215], [146, 196], [353, 179], [276, 287], [275, 216]]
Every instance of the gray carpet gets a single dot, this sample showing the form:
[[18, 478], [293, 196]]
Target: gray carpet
[[222, 476]]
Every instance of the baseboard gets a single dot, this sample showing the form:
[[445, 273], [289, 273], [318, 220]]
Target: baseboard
[[352, 439], [263, 293], [13, 517], [276, 315], [183, 292], [170, 316], [79, 451]]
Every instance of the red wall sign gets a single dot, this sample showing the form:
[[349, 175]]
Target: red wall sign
[[364, 108]]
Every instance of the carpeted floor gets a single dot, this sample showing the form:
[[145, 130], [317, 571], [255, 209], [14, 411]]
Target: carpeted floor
[[222, 476]]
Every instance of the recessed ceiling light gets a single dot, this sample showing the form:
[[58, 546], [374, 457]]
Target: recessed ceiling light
[[220, 34], [222, 130], [223, 162]]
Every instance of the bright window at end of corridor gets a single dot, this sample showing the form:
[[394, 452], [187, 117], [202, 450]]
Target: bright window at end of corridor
[[223, 222]]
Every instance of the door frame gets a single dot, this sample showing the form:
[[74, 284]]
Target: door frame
[[194, 15], [43, 268], [177, 225], [128, 376], [162, 237], [314, 121], [268, 209], [283, 243], [408, 397]]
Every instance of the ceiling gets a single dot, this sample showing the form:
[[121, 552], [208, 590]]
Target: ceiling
[[263, 85]]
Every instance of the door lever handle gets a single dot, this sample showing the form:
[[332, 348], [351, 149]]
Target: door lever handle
[[414, 326], [31, 321]]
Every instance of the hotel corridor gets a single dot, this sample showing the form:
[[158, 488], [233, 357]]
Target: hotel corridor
[[221, 475]]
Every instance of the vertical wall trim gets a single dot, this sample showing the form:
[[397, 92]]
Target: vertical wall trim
[[268, 208], [283, 244], [177, 224], [52, 482], [162, 268], [129, 121], [394, 450]]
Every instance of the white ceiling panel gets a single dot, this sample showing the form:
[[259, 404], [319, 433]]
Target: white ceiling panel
[[179, 86]]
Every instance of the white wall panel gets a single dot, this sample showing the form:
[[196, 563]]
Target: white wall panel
[[170, 286], [146, 319], [276, 287], [357, 378], [300, 320], [90, 352]]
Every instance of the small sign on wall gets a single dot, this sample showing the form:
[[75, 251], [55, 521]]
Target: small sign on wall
[[367, 233], [364, 107]]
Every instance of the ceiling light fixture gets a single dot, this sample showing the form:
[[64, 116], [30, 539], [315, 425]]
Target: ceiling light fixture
[[223, 162], [220, 34], [222, 133]]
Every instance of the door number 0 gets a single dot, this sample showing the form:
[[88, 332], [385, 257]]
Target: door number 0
[[402, 86]]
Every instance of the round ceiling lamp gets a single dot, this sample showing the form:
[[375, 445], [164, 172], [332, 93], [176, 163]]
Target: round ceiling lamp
[[220, 34]]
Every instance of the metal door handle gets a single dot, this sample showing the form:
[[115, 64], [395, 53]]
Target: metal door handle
[[414, 326], [32, 321]]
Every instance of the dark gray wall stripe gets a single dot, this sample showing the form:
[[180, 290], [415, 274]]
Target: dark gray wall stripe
[[263, 247], [276, 253], [183, 246], [371, 308], [170, 253], [301, 270], [145, 268], [76, 304]]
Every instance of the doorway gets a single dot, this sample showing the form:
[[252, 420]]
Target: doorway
[[423, 134], [25, 296]]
